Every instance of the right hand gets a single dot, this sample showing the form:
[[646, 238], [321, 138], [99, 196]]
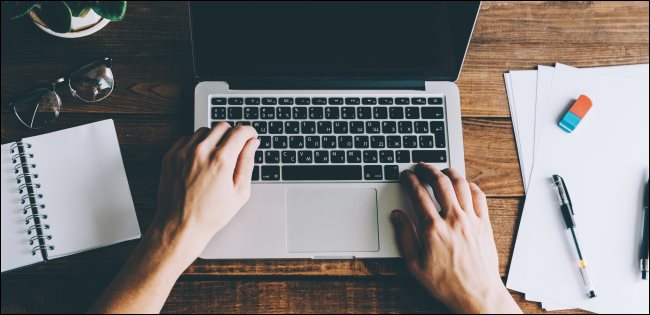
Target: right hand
[[452, 252]]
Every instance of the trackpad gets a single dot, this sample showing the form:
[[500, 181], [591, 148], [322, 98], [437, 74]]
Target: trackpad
[[332, 220]]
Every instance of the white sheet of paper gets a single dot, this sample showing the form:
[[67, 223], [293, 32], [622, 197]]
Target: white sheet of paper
[[524, 90], [549, 253]]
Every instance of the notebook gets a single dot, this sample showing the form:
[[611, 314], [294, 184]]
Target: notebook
[[64, 193]]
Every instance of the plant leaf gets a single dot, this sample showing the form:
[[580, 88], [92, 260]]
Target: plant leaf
[[77, 7], [17, 9], [56, 15], [112, 10]]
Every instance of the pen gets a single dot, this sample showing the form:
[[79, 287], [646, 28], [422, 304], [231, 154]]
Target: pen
[[567, 213], [644, 244]]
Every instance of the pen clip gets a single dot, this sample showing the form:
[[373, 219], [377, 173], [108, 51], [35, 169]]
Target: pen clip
[[563, 191]]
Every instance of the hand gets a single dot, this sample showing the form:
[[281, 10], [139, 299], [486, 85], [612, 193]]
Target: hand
[[452, 252], [205, 180]]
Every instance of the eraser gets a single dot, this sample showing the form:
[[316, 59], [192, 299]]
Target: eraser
[[576, 113]]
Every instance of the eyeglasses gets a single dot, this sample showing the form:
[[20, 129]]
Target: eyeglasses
[[41, 106]]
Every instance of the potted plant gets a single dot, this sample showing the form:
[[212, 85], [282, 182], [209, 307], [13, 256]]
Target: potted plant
[[68, 19]]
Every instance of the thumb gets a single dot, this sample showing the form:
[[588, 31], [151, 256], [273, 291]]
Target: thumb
[[407, 240]]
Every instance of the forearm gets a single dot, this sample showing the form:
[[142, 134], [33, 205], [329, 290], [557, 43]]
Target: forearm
[[145, 281]]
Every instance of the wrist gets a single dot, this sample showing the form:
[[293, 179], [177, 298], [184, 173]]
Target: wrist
[[172, 246]]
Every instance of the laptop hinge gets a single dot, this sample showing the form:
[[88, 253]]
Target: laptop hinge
[[324, 84]]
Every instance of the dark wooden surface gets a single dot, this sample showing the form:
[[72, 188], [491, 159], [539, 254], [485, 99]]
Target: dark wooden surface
[[152, 106]]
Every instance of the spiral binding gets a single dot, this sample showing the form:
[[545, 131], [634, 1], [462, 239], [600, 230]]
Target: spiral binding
[[28, 190]]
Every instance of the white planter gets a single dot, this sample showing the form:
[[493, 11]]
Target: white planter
[[80, 27]]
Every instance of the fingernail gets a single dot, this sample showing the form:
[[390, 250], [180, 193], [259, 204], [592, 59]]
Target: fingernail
[[394, 216]]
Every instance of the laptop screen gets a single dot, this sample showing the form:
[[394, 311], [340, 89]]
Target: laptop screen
[[416, 40]]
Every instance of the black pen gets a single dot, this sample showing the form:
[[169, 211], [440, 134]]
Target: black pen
[[644, 244], [567, 213]]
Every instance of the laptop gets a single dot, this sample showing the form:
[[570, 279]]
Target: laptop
[[344, 96]]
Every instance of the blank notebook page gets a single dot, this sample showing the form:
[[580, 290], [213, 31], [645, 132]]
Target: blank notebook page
[[84, 187]]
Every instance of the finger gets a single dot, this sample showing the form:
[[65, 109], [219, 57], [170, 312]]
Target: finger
[[246, 163], [479, 201], [461, 188], [234, 141], [442, 187], [216, 134], [407, 240], [423, 205]]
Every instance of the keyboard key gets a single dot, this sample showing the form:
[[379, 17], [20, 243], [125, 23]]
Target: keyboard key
[[432, 113], [388, 127], [285, 101], [251, 113], [410, 142], [271, 157], [391, 172], [329, 142], [270, 173], [321, 172], [312, 142], [340, 127], [324, 127], [300, 113], [412, 113], [402, 101], [288, 157], [385, 101], [235, 101], [402, 156], [252, 101], [308, 127], [218, 113], [438, 130], [421, 127], [280, 142], [270, 101], [315, 113], [372, 172], [418, 101], [354, 156], [357, 127], [364, 113], [352, 101], [386, 156], [377, 142], [369, 101], [275, 127], [265, 142], [260, 126], [218, 101], [305, 157], [291, 127], [242, 123], [370, 157], [319, 101], [361, 142], [435, 100], [430, 156], [302, 101], [235, 113], [336, 101], [283, 113], [379, 112], [345, 142], [426, 142], [296, 142], [405, 127], [373, 127], [259, 157], [394, 142], [337, 157], [256, 173], [267, 113], [332, 113], [321, 157], [348, 113], [396, 113]]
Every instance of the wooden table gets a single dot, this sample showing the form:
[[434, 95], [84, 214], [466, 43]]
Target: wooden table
[[153, 104]]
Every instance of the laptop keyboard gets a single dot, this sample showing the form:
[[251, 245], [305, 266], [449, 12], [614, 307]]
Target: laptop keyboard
[[338, 138]]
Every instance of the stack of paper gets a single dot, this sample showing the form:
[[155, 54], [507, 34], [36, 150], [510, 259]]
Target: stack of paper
[[605, 165]]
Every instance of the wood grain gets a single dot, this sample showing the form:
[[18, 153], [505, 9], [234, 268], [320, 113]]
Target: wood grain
[[152, 106]]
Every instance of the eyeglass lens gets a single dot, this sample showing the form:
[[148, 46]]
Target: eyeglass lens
[[37, 108]]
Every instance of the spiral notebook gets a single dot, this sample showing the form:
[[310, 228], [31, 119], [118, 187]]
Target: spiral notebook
[[64, 193]]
